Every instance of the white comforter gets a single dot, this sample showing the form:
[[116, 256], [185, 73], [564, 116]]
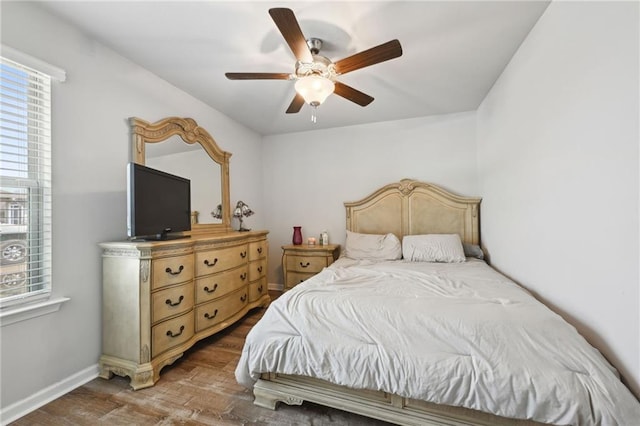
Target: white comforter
[[455, 334]]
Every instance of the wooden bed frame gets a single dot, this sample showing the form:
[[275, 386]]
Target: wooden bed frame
[[405, 208]]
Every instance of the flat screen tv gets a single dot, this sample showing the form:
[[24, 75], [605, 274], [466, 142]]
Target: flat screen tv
[[158, 204]]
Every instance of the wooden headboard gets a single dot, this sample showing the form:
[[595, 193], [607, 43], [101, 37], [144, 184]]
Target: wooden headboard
[[411, 207]]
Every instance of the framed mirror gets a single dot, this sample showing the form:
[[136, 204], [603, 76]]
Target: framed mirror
[[210, 186]]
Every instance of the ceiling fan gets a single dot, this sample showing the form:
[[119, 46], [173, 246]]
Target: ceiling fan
[[315, 74]]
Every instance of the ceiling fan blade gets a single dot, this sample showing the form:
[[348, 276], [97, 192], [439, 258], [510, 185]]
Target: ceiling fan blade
[[352, 94], [257, 76], [288, 25], [381, 53], [296, 104]]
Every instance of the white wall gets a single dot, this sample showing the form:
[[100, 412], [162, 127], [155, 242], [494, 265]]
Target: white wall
[[91, 146], [558, 167], [308, 176]]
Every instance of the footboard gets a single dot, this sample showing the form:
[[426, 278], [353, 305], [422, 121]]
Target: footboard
[[293, 390]]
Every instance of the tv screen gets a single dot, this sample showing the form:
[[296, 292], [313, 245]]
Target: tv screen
[[158, 203]]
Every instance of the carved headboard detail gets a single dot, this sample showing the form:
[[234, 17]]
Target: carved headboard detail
[[411, 207]]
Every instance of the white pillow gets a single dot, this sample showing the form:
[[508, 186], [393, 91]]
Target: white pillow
[[433, 248], [372, 246]]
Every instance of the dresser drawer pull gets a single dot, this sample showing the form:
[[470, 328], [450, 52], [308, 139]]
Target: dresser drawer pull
[[243, 276], [243, 254], [170, 333], [243, 298], [215, 286], [169, 271], [304, 265], [168, 301], [207, 316], [259, 250], [206, 262], [260, 289], [259, 269]]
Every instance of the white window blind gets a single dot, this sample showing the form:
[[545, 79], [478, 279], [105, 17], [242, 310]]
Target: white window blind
[[25, 190]]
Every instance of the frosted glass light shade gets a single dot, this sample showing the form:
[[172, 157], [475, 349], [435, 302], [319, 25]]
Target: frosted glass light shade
[[314, 89]]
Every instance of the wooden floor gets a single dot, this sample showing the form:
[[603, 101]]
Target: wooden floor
[[198, 389]]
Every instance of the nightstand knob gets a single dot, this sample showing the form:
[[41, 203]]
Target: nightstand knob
[[304, 265]]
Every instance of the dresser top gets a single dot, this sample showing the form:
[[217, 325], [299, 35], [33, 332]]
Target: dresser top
[[192, 241]]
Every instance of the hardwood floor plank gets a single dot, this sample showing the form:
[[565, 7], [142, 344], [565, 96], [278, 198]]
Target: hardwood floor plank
[[198, 389]]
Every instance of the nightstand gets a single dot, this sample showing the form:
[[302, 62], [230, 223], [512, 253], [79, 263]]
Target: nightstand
[[301, 262]]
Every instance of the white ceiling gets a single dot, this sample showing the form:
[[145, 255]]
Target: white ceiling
[[453, 51]]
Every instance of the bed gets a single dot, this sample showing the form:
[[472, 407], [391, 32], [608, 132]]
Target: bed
[[415, 341]]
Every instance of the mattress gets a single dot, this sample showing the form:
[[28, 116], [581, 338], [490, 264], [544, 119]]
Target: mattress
[[455, 334]]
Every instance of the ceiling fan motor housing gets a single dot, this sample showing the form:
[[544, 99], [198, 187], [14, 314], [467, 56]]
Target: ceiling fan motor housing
[[320, 66], [315, 44]]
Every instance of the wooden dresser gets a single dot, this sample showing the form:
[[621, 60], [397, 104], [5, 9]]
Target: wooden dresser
[[301, 262], [161, 297]]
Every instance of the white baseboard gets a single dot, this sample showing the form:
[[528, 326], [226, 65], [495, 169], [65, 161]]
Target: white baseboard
[[275, 286], [21, 408]]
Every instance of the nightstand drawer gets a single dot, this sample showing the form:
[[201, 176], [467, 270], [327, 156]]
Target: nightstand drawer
[[306, 264], [301, 262], [219, 310], [212, 261], [214, 286], [171, 333], [171, 301], [295, 278], [171, 270]]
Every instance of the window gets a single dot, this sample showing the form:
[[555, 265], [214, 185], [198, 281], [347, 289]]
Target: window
[[25, 190]]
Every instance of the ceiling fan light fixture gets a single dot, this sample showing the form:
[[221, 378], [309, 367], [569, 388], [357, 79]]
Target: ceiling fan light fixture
[[314, 89]]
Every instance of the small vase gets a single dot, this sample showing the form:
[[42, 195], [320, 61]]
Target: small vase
[[297, 235]]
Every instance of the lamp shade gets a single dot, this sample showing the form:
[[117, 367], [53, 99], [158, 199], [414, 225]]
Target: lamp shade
[[314, 89]]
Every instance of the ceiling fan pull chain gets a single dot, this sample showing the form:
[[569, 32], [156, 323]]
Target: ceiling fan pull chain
[[314, 114]]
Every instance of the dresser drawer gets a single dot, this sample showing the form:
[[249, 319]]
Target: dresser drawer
[[257, 250], [306, 264], [171, 270], [214, 286], [257, 289], [212, 261], [171, 333], [257, 269], [219, 310], [171, 301]]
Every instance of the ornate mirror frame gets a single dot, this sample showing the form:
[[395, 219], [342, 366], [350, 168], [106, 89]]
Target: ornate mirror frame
[[143, 132]]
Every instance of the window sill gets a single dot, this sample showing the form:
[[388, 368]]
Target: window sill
[[23, 313]]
